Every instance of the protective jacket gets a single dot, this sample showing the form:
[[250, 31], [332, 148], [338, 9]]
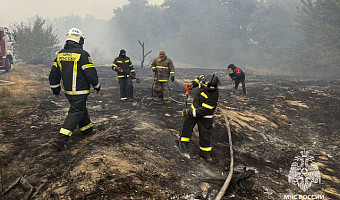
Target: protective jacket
[[205, 101], [163, 68], [241, 76], [74, 67], [125, 64]]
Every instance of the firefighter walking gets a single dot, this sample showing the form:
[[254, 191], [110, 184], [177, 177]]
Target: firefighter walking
[[238, 76], [73, 66], [200, 113], [164, 69], [125, 72]]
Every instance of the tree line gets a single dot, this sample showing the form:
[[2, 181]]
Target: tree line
[[271, 34]]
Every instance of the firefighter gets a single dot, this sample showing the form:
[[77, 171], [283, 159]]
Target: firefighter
[[164, 69], [74, 68], [200, 113], [125, 71], [238, 76]]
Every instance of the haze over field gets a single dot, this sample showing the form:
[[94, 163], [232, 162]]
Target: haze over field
[[290, 36], [57, 8]]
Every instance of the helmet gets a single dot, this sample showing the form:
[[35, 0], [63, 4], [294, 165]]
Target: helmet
[[211, 82], [122, 51], [75, 35], [232, 66]]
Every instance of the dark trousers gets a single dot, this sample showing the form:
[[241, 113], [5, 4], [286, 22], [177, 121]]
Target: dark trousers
[[243, 81], [204, 129], [77, 116], [126, 88], [162, 90]]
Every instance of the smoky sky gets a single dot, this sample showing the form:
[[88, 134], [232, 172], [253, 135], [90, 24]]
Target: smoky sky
[[16, 11]]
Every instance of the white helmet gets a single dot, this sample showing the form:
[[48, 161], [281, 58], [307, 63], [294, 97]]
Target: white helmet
[[75, 34]]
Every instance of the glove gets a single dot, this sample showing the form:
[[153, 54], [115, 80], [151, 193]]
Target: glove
[[172, 78], [134, 76], [185, 113], [154, 69], [188, 88], [97, 89], [119, 69]]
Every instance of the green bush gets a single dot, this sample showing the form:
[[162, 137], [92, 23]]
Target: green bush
[[37, 43]]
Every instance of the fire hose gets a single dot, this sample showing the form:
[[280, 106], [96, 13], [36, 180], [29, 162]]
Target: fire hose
[[225, 186], [231, 171]]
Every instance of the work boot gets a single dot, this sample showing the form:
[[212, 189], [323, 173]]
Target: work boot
[[166, 101], [206, 155], [60, 145], [61, 142], [88, 132], [130, 99], [182, 146]]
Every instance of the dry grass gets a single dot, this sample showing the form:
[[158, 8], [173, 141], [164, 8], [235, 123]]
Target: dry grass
[[248, 120], [20, 88], [16, 95], [5, 92], [297, 103]]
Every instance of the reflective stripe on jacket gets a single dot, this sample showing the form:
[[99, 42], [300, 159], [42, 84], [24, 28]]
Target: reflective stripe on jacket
[[205, 101], [73, 66], [163, 68], [125, 63]]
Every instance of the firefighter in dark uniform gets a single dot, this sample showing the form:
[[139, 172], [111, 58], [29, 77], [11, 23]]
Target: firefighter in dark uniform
[[125, 71], [201, 113], [74, 68], [164, 69], [238, 76]]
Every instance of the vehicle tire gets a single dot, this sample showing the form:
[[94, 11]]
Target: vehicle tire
[[7, 65]]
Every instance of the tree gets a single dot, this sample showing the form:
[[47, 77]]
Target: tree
[[142, 58], [273, 32], [212, 33], [319, 21], [138, 21], [37, 43]]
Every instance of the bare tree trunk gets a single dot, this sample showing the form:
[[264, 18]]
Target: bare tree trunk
[[142, 59]]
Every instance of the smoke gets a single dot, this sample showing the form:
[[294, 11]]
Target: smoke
[[211, 34], [98, 34]]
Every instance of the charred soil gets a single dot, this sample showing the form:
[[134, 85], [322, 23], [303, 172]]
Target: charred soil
[[132, 153]]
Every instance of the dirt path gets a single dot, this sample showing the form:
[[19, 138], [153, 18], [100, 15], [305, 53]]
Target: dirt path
[[132, 154]]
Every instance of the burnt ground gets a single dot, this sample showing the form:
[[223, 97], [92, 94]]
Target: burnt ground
[[132, 154]]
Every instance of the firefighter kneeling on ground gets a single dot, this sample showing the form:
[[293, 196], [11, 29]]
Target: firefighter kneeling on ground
[[201, 113], [74, 67], [125, 71]]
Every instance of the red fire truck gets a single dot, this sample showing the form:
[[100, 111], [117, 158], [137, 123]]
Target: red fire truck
[[7, 51]]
